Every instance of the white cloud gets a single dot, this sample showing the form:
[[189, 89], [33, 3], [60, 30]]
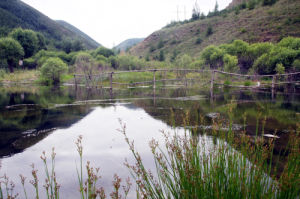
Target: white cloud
[[112, 21]]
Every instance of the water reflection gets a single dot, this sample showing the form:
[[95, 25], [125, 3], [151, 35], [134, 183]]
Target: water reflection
[[37, 119]]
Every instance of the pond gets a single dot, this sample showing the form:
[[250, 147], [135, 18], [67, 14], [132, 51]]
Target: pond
[[36, 119]]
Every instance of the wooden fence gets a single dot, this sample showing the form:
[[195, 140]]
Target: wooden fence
[[92, 80]]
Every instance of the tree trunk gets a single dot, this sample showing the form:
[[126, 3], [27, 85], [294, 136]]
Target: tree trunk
[[10, 66]]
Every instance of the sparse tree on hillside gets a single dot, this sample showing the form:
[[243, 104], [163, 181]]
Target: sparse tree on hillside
[[196, 11], [216, 10], [10, 52]]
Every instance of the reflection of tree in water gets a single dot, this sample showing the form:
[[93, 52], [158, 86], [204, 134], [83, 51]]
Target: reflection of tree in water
[[26, 118]]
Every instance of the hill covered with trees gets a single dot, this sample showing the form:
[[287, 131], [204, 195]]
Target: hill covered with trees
[[15, 13], [250, 20], [127, 44]]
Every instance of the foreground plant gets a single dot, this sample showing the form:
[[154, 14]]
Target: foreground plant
[[192, 166]]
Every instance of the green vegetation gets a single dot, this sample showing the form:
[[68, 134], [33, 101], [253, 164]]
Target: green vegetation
[[10, 53], [253, 22], [28, 40], [53, 69]]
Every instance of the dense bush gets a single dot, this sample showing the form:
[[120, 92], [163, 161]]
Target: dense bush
[[53, 69]]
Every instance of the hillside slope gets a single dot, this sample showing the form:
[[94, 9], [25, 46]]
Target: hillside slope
[[264, 23], [123, 46], [15, 13], [78, 32]]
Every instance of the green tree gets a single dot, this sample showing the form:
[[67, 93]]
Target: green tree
[[161, 56], [213, 56], [230, 63], [28, 40], [296, 65], [41, 41], [103, 51], [279, 68], [10, 52], [184, 61], [196, 12], [53, 69], [209, 30]]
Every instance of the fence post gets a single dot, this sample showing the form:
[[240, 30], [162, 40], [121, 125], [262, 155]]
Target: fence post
[[75, 82], [273, 86], [111, 80], [273, 81], [212, 84], [212, 79], [154, 80]]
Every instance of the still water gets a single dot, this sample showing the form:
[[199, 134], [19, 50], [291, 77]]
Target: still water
[[36, 119]]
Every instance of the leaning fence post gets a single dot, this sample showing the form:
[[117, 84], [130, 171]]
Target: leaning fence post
[[111, 80]]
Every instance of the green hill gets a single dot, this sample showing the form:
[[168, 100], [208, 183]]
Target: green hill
[[260, 23], [72, 28], [123, 46], [15, 13]]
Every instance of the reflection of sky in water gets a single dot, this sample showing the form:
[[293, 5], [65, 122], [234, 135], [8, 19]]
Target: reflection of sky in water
[[103, 145]]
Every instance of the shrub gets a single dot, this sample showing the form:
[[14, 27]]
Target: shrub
[[53, 69], [209, 30], [268, 2], [247, 83], [296, 65], [199, 40], [161, 56], [230, 63], [30, 63], [279, 68], [160, 44]]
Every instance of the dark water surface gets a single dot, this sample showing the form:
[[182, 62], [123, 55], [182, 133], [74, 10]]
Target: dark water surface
[[35, 119]]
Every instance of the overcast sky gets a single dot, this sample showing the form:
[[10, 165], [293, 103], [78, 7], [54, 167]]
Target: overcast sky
[[112, 21]]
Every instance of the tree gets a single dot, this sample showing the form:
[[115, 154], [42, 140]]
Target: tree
[[103, 51], [41, 41], [184, 61], [161, 56], [209, 30], [230, 63], [53, 69], [196, 12], [10, 52], [213, 56], [84, 62], [28, 40], [216, 10]]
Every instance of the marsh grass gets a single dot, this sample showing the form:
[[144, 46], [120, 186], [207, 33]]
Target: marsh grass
[[189, 165], [28, 76]]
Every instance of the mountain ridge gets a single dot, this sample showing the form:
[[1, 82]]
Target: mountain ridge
[[16, 13]]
